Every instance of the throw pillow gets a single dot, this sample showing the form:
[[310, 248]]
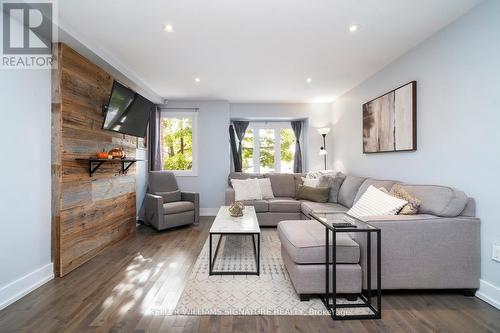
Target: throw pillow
[[333, 182], [411, 208], [375, 202], [246, 189], [316, 194], [265, 188], [311, 182], [172, 196]]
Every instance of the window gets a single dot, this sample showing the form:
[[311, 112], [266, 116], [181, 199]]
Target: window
[[268, 147], [178, 144]]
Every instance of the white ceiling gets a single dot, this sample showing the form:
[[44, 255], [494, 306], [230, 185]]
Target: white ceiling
[[254, 50]]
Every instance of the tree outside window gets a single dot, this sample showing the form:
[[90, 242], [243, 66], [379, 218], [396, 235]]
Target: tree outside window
[[178, 144]]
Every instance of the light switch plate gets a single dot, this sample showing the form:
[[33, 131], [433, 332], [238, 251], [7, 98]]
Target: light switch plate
[[496, 253]]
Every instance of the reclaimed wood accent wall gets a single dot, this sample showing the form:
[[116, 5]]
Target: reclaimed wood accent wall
[[88, 214]]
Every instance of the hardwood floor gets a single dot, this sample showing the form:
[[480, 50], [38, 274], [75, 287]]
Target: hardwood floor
[[112, 292]]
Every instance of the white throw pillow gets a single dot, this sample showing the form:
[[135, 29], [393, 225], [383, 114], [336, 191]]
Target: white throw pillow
[[311, 182], [266, 188], [375, 202], [246, 189]]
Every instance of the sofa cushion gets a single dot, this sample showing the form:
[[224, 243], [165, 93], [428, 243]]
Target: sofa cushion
[[387, 184], [283, 184], [321, 208], [376, 202], [438, 200], [349, 189], [284, 205], [246, 189], [177, 207], [171, 196], [304, 241], [261, 206], [316, 194], [333, 182], [265, 188]]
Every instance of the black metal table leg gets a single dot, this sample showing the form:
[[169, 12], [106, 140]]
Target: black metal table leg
[[258, 254], [210, 254], [379, 275], [212, 259], [334, 272], [369, 267]]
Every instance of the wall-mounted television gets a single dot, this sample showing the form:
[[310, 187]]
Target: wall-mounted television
[[127, 112]]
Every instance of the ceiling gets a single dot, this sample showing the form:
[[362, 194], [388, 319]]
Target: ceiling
[[254, 50]]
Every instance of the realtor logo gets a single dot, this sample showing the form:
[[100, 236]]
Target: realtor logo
[[27, 34]]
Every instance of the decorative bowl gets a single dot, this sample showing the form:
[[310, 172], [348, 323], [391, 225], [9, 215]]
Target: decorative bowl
[[236, 209]]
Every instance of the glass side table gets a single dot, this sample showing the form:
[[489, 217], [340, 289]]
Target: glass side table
[[331, 222]]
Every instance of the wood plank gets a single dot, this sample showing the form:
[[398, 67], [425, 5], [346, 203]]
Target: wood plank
[[80, 218], [92, 213]]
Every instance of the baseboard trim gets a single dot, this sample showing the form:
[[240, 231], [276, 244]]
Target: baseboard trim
[[25, 284], [208, 211], [489, 293]]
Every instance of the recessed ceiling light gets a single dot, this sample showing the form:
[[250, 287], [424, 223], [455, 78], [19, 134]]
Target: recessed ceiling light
[[169, 28], [197, 80], [353, 28], [308, 80]]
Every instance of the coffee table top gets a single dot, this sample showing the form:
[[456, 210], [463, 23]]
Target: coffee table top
[[225, 223]]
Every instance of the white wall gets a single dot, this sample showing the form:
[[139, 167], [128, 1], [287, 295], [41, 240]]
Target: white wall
[[141, 178], [25, 204], [213, 153], [458, 113], [317, 115]]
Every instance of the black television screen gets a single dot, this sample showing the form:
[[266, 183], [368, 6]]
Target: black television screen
[[127, 112]]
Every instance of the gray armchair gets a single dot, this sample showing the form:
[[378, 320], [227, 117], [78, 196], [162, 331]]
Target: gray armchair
[[166, 206]]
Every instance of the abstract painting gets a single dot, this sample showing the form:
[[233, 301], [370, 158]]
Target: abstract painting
[[390, 121]]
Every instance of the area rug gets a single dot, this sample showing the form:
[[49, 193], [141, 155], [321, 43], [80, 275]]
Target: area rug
[[271, 293]]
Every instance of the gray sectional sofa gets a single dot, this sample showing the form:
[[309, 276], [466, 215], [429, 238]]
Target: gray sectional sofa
[[439, 248]]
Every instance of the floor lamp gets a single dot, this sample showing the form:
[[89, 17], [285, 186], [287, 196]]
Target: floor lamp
[[324, 131]]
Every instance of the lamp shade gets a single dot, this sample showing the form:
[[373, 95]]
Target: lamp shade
[[324, 130]]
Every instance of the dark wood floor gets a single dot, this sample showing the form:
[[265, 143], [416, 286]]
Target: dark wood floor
[[113, 291]]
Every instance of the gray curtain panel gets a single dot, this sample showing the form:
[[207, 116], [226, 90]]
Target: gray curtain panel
[[240, 127], [234, 150], [297, 159], [154, 140]]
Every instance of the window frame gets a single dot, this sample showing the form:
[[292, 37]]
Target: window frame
[[255, 126], [194, 117]]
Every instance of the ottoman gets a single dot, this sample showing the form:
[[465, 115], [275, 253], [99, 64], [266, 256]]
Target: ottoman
[[303, 252]]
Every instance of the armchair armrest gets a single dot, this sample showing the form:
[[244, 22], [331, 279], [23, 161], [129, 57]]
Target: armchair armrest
[[195, 199], [153, 209], [230, 195]]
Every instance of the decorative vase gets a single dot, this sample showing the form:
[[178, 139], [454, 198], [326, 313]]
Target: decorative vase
[[236, 209]]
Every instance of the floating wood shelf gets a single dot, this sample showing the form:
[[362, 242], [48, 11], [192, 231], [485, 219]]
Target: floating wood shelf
[[95, 163]]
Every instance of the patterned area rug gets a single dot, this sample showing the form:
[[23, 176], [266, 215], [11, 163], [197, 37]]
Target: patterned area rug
[[271, 293]]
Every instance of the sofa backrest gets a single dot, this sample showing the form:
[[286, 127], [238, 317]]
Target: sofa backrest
[[470, 208], [439, 200], [378, 183], [243, 175], [162, 181], [349, 189], [283, 184]]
